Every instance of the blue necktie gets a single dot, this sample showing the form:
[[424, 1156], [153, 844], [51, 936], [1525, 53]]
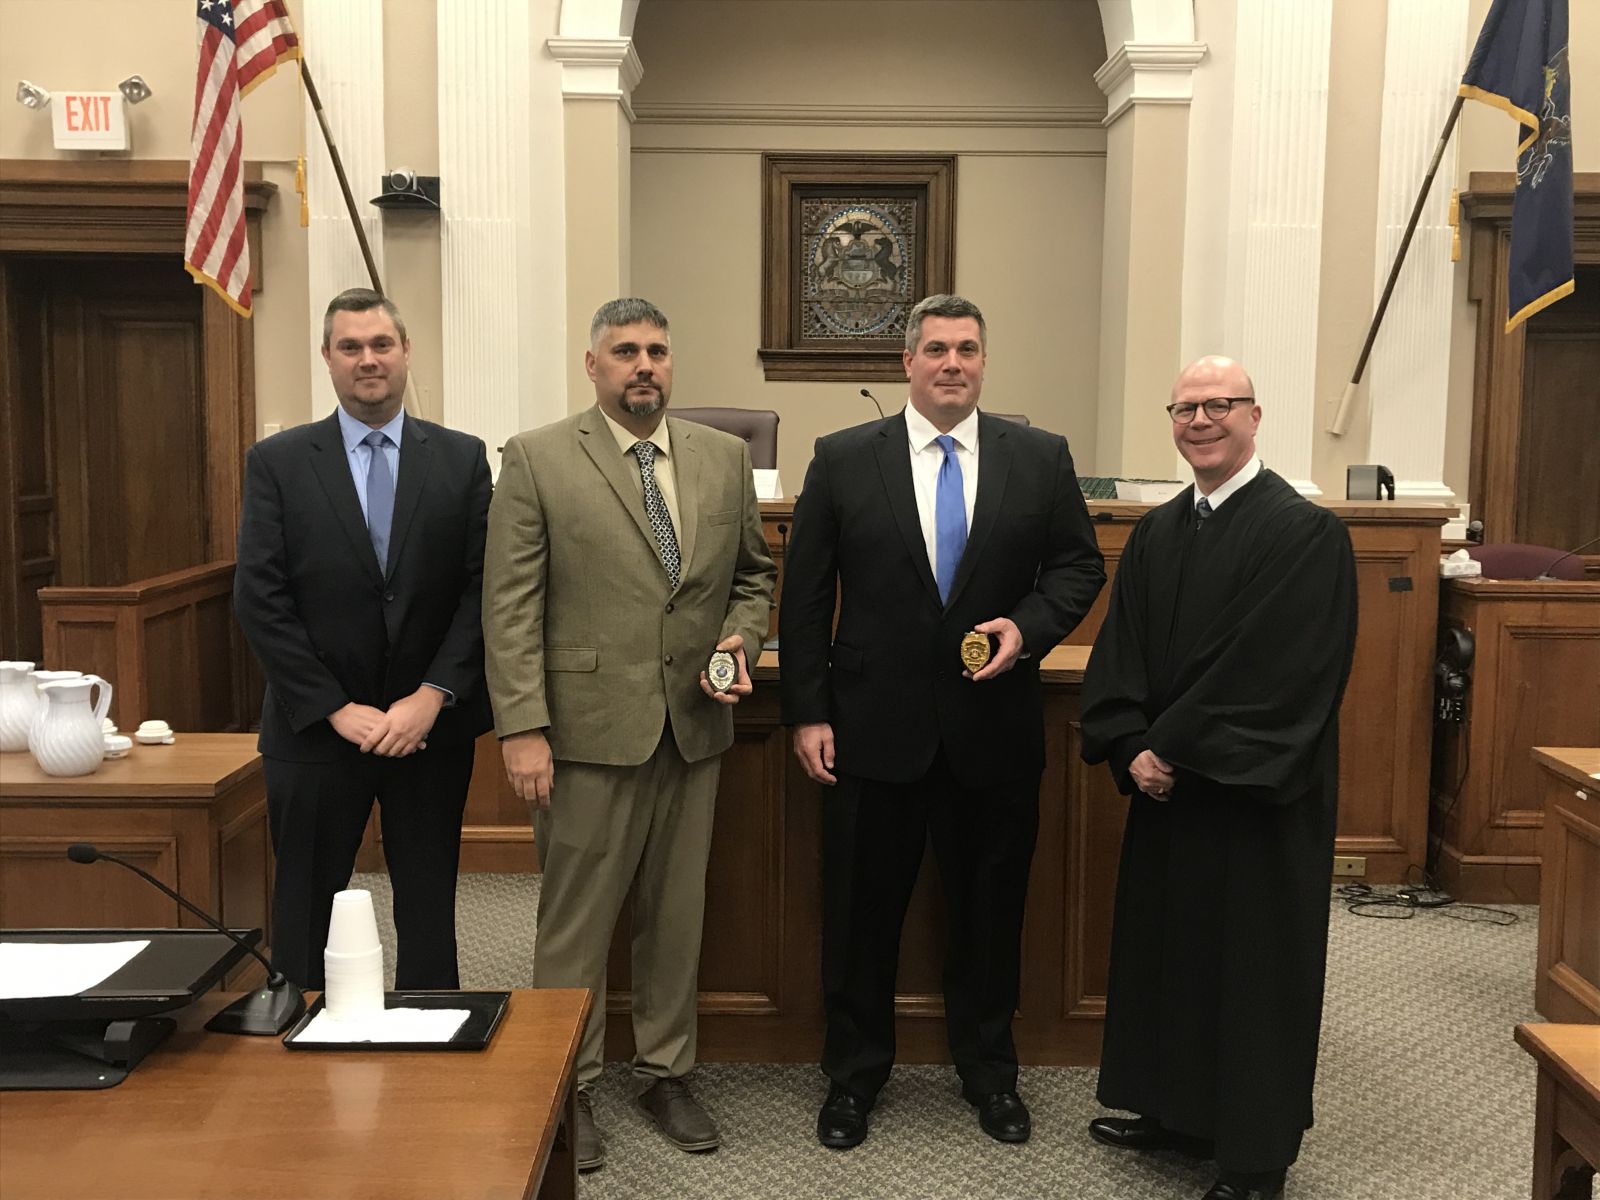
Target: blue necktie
[[380, 496], [949, 519], [1202, 510]]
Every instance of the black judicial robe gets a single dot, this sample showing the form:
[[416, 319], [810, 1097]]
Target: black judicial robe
[[1225, 651]]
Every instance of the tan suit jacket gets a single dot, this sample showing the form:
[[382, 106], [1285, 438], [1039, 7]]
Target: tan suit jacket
[[584, 635]]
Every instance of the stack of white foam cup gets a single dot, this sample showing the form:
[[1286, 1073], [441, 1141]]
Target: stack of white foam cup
[[353, 961]]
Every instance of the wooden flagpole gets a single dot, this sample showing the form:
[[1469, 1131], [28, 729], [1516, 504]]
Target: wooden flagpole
[[1341, 417], [338, 170]]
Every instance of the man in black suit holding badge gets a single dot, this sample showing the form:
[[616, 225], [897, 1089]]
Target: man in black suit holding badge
[[359, 586], [934, 523]]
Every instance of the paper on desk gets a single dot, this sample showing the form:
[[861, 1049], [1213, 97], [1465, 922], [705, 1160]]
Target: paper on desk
[[35, 969], [388, 1025]]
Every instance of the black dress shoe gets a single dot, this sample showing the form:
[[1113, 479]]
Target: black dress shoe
[[1145, 1133], [1003, 1115], [842, 1121], [1266, 1185]]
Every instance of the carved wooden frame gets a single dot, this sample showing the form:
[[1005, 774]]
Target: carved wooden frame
[[787, 178], [1498, 369]]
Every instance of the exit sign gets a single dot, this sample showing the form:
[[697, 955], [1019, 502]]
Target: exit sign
[[89, 121]]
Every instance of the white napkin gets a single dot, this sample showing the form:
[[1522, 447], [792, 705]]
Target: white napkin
[[389, 1025]]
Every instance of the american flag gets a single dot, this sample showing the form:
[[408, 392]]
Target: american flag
[[240, 43]]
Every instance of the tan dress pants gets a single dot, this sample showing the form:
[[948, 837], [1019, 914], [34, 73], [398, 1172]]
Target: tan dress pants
[[608, 829]]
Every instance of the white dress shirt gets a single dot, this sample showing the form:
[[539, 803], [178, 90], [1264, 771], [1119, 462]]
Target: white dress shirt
[[927, 458], [1240, 477]]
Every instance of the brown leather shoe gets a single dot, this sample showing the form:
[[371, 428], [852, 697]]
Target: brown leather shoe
[[587, 1147], [679, 1116]]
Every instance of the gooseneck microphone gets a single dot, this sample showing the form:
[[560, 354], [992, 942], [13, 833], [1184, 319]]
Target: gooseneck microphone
[[874, 400], [1545, 574], [265, 1012]]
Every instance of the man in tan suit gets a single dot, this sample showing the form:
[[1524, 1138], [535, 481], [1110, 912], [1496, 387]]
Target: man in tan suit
[[623, 549]]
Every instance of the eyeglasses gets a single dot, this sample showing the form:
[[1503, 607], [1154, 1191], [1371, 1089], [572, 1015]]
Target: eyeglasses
[[1217, 408]]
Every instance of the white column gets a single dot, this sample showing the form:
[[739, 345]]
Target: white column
[[598, 75], [484, 181], [1408, 375], [1275, 225], [343, 41]]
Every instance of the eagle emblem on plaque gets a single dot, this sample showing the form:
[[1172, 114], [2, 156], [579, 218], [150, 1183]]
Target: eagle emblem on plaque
[[858, 278]]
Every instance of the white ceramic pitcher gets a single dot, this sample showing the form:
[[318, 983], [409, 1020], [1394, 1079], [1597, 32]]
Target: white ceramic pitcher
[[18, 702], [66, 738]]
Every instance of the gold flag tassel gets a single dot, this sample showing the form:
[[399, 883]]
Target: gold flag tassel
[[300, 164], [1455, 225]]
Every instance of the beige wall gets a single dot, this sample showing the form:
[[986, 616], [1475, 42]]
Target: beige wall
[[1006, 86]]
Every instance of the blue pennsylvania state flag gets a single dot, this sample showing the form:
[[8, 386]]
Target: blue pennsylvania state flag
[[1520, 67]]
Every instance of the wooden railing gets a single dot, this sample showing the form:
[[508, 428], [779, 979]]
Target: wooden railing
[[168, 645]]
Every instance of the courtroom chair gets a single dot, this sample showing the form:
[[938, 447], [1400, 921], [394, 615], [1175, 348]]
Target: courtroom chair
[[1014, 418], [757, 426], [1518, 560]]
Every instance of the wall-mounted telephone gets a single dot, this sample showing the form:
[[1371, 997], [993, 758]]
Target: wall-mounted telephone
[[1452, 674]]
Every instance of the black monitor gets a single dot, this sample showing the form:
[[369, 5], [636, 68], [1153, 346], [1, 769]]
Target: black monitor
[[93, 1039]]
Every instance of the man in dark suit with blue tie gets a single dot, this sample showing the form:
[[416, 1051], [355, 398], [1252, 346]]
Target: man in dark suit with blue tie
[[359, 584], [934, 522]]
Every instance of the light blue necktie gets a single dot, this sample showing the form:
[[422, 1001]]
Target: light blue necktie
[[380, 496], [949, 519]]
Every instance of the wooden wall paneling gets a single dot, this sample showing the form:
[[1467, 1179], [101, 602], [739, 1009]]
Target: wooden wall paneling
[[127, 207], [1500, 364], [1535, 682], [1568, 984], [30, 496], [11, 643], [1558, 468], [168, 645], [32, 854], [1096, 814]]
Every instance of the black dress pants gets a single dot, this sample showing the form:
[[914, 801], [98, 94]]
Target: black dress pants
[[318, 812], [872, 840]]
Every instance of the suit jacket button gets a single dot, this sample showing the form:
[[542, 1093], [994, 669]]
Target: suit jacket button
[[388, 595], [669, 605], [668, 660]]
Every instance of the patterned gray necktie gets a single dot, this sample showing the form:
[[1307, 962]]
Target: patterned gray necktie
[[1202, 510], [655, 507]]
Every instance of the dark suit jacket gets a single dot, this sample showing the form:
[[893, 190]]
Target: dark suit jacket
[[328, 626], [890, 681]]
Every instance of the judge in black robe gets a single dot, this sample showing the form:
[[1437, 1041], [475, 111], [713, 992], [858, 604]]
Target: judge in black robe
[[1224, 654]]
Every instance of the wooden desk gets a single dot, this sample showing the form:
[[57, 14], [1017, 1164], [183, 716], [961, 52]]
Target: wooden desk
[[193, 814], [1568, 982], [210, 1115], [1566, 1134], [1535, 682]]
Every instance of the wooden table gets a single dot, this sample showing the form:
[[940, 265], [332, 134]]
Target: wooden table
[[193, 814], [1568, 981], [1566, 1134], [212, 1115]]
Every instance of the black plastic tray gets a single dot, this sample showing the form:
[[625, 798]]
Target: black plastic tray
[[484, 1010]]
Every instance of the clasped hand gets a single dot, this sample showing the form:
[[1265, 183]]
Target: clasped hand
[[1153, 775], [395, 733]]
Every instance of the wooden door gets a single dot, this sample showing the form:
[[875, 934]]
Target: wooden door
[[106, 426]]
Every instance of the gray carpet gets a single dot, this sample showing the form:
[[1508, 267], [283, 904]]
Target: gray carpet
[[1421, 1093]]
